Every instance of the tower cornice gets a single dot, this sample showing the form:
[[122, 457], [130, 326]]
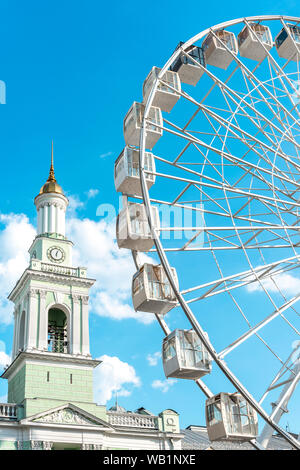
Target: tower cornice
[[46, 276], [45, 356]]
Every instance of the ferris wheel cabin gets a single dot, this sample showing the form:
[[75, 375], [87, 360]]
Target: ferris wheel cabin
[[185, 356], [255, 41], [133, 123], [186, 65], [287, 42], [230, 417], [166, 95], [127, 171], [215, 48], [132, 227], [152, 291]]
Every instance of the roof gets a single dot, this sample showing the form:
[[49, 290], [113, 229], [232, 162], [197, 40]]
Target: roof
[[196, 438]]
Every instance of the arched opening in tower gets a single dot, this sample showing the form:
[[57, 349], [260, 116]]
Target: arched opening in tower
[[57, 331]]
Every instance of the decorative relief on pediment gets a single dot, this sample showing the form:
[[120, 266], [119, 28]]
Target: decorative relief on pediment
[[65, 416]]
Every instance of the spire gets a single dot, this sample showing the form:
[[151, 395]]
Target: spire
[[51, 173], [51, 185]]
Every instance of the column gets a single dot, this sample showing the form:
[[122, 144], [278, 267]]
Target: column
[[45, 218], [32, 319], [57, 212], [62, 228], [52, 218], [85, 326], [40, 220], [76, 325], [15, 334], [43, 332]]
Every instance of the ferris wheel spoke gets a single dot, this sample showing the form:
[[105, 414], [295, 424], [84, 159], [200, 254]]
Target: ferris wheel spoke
[[262, 272], [229, 126], [241, 98], [240, 310], [267, 122], [226, 155], [232, 93], [277, 68], [230, 189], [253, 79], [258, 327]]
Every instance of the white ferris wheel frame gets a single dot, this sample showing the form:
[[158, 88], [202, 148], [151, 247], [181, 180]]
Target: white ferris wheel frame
[[272, 419]]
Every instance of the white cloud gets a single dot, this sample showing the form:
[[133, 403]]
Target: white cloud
[[4, 359], [163, 385], [74, 205], [107, 154], [287, 283], [154, 358], [111, 376], [16, 237], [92, 193], [96, 248]]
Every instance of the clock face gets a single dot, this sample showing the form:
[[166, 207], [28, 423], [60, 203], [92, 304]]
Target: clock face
[[56, 254]]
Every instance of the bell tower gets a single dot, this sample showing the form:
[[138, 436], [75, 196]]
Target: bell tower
[[51, 361]]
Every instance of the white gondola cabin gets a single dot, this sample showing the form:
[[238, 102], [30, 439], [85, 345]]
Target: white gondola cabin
[[151, 290], [288, 45], [185, 356], [133, 121], [230, 417], [165, 97], [186, 65], [215, 48], [132, 227], [127, 174], [253, 39]]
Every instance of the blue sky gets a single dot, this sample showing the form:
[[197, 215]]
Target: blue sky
[[72, 70]]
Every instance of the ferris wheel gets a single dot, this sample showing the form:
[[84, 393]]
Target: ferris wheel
[[210, 181]]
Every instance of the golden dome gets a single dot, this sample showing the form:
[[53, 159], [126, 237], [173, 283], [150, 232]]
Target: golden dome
[[51, 185]]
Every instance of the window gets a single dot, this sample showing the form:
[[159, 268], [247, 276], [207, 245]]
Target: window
[[214, 414], [169, 349]]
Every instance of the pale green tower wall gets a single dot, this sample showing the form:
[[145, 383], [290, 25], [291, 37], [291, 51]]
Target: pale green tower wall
[[42, 387], [47, 381]]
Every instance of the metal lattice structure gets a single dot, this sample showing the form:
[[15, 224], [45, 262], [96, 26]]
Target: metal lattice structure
[[228, 157]]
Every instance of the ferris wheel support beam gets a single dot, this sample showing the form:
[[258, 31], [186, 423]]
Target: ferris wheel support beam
[[281, 406], [189, 314]]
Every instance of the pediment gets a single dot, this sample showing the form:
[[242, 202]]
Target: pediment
[[67, 415]]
